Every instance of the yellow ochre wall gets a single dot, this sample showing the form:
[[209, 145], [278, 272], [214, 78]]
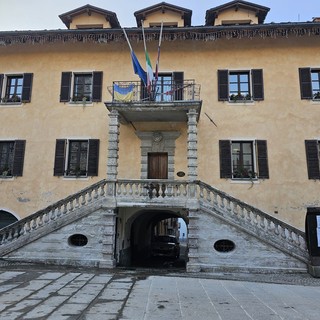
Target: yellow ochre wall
[[93, 19], [236, 15], [167, 18], [282, 118]]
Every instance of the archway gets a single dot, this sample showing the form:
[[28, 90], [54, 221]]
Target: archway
[[6, 218], [146, 227]]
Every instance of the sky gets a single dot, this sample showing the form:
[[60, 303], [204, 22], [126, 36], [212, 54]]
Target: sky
[[44, 14]]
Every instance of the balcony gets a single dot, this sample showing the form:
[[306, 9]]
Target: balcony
[[167, 101]]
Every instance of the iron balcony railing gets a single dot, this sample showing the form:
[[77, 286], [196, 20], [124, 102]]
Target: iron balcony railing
[[161, 91]]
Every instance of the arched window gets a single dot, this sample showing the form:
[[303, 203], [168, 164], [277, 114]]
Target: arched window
[[6, 218]]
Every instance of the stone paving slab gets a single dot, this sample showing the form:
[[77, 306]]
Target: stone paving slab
[[73, 294]]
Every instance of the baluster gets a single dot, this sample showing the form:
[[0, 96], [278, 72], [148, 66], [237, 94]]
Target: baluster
[[137, 189], [40, 220], [119, 188], [282, 232], [16, 232], [83, 197], [96, 193], [215, 201], [248, 215], [2, 236], [262, 222], [71, 207], [52, 214], [242, 214], [235, 208], [290, 239], [22, 230], [201, 192], [178, 190], [130, 189], [228, 205], [168, 190], [9, 238], [222, 206], [89, 196], [34, 224], [208, 197], [59, 211], [77, 202], [102, 192], [27, 226], [255, 218], [276, 229], [125, 188], [65, 208]]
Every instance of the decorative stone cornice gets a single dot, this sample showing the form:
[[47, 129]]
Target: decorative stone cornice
[[204, 33]]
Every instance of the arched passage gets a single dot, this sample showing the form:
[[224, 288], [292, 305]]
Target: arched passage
[[6, 218], [140, 233]]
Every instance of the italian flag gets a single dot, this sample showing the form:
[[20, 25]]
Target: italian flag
[[149, 72]]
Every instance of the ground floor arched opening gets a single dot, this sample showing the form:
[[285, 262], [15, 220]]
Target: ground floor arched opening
[[6, 218], [152, 238]]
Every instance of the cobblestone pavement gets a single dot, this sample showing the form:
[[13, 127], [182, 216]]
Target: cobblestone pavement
[[29, 292]]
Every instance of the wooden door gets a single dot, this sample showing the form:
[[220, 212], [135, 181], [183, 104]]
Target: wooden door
[[157, 165]]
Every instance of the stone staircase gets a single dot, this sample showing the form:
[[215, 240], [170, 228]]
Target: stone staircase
[[160, 194]]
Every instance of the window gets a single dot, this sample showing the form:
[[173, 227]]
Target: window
[[81, 87], [169, 87], [309, 83], [76, 158], [313, 156], [11, 158], [238, 86], [242, 160], [16, 88], [245, 160]]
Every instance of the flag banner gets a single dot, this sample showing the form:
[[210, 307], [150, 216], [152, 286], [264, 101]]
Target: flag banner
[[123, 93], [138, 69]]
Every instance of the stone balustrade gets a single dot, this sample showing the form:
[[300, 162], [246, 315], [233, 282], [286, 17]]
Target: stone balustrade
[[166, 193], [257, 222]]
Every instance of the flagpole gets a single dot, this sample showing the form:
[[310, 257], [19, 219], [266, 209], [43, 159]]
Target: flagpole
[[125, 34], [158, 60]]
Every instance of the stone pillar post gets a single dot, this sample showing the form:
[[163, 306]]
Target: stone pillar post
[[193, 265], [108, 238], [113, 148], [192, 152]]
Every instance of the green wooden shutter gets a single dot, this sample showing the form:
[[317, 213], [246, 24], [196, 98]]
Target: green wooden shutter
[[223, 85], [1, 83], [18, 159], [263, 167], [305, 83], [59, 159], [178, 85], [312, 154], [257, 84], [26, 88], [65, 86], [97, 86], [225, 159], [93, 157]]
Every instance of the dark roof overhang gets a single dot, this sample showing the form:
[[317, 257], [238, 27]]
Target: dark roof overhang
[[163, 6], [202, 33], [261, 11], [109, 15]]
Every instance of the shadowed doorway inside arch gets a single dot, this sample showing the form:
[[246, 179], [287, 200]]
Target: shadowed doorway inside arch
[[158, 239]]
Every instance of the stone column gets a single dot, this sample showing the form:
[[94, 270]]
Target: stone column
[[193, 265], [108, 238], [192, 145], [113, 148]]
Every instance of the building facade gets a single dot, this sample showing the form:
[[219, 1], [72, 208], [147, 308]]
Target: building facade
[[226, 138]]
